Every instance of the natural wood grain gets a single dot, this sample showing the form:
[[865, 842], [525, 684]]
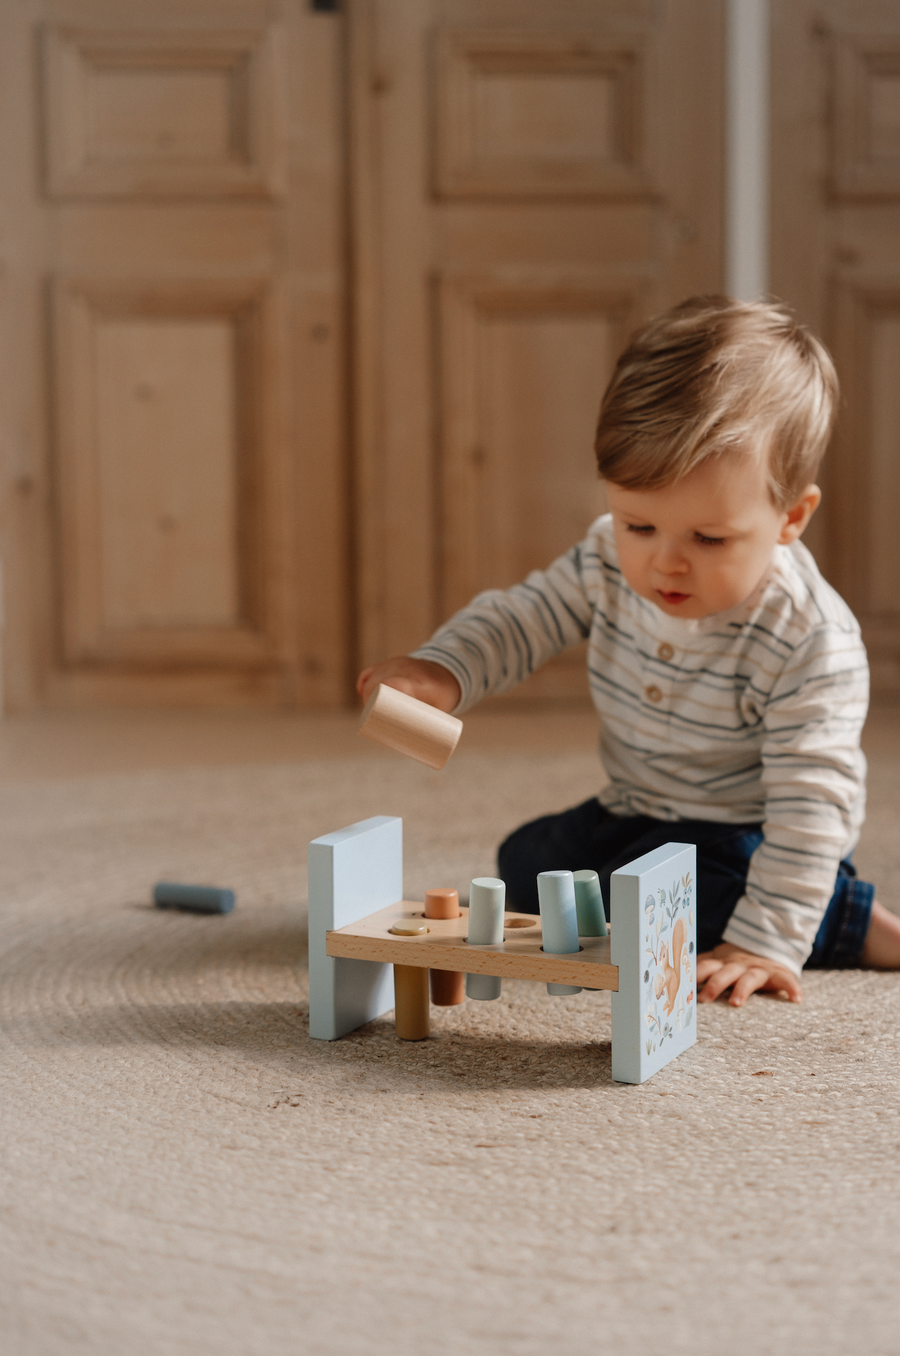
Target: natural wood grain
[[410, 726], [524, 115], [412, 1017], [448, 988], [161, 112], [140, 436], [538, 152], [177, 173], [204, 142], [865, 160], [835, 236], [445, 948], [524, 360], [865, 314]]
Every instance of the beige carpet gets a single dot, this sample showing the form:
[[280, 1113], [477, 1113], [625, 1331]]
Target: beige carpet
[[184, 1171]]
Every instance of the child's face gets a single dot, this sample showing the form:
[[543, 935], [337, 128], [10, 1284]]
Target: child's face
[[703, 544]]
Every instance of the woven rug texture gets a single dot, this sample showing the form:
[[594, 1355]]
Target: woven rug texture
[[185, 1171]]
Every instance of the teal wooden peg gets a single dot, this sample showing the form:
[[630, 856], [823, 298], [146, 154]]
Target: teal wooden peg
[[589, 905], [559, 921]]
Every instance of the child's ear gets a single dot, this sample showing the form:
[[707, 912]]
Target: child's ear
[[799, 514]]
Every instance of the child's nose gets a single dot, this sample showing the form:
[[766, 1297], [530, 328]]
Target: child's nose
[[669, 558]]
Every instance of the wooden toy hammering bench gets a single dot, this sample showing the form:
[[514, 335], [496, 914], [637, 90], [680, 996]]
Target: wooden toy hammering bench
[[371, 950]]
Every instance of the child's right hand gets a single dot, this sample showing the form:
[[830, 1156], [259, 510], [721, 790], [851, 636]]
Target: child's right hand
[[730, 967], [431, 683]]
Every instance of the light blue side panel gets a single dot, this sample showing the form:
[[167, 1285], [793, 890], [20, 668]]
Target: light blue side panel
[[654, 943], [352, 873]]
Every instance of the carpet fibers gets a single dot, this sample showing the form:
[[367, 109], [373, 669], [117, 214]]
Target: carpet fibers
[[184, 1170]]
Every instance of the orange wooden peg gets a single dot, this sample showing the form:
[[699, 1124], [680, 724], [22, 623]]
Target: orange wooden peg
[[448, 988]]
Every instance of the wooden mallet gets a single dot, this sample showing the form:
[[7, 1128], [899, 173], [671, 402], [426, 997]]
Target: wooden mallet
[[412, 727]]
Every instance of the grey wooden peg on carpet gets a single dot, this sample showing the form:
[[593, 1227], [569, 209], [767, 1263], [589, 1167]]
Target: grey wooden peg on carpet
[[194, 898]]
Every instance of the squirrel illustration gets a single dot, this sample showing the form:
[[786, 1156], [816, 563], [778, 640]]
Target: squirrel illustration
[[669, 976]]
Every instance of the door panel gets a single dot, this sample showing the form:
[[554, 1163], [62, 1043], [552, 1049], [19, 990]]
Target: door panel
[[530, 180], [167, 472], [540, 114], [162, 112], [170, 485]]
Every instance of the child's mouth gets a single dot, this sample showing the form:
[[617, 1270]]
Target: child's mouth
[[672, 597]]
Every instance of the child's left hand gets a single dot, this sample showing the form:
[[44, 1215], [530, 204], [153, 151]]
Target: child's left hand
[[728, 967]]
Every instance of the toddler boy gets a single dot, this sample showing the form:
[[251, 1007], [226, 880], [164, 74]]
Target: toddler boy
[[730, 678]]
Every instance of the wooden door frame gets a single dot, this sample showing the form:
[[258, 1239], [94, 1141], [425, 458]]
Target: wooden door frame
[[395, 564]]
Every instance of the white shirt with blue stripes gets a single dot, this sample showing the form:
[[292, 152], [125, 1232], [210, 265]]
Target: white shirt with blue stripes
[[748, 716]]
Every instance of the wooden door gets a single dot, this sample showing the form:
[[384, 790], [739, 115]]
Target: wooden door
[[174, 524], [836, 259], [529, 179]]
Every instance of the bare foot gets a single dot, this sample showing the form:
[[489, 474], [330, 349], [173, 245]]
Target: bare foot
[[882, 944]]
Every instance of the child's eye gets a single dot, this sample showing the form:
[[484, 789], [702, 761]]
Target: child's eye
[[709, 541], [643, 528]]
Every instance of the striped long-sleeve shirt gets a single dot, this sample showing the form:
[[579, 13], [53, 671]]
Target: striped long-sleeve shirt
[[748, 716]]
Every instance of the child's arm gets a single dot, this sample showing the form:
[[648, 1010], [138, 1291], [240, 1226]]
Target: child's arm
[[813, 776], [503, 635], [500, 638]]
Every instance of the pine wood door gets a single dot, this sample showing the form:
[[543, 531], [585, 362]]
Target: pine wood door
[[173, 397], [836, 259], [529, 180]]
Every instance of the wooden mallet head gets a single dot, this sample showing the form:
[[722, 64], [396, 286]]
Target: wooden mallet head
[[412, 727]]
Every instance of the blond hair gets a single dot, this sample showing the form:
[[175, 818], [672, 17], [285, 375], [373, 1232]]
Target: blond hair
[[715, 375]]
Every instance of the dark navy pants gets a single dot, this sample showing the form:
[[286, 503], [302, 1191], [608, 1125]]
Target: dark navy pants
[[589, 837]]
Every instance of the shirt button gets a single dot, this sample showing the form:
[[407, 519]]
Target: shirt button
[[653, 693], [665, 651]]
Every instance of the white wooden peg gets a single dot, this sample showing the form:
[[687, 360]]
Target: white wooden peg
[[412, 727]]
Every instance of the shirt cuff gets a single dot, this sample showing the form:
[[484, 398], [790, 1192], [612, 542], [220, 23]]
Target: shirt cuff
[[753, 928]]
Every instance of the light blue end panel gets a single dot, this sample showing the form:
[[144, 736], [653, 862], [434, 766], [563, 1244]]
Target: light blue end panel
[[654, 943], [352, 873]]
